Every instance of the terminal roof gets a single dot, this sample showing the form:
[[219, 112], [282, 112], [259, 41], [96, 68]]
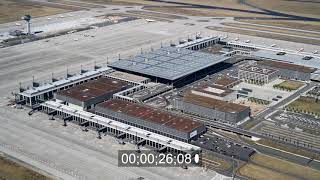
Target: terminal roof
[[169, 63], [122, 127], [94, 88], [65, 81], [152, 115]]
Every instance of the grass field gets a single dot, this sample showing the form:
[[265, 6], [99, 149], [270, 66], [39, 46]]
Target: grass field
[[12, 10], [285, 167], [312, 26], [12, 171], [294, 7], [76, 3], [292, 149], [223, 164], [289, 85], [265, 35], [253, 171], [269, 29], [307, 105], [202, 12], [219, 3]]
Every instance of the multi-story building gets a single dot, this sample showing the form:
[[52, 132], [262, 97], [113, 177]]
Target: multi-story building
[[255, 74], [289, 70], [211, 108]]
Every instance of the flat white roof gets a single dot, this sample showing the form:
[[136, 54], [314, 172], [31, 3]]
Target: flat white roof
[[293, 56], [179, 145]]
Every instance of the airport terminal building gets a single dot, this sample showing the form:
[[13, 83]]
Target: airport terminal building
[[150, 119], [88, 94], [171, 65]]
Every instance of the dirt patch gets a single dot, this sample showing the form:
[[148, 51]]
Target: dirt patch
[[13, 171], [289, 85], [219, 163], [252, 171], [285, 166]]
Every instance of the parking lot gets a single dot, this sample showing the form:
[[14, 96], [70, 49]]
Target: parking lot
[[294, 120], [224, 146], [289, 133]]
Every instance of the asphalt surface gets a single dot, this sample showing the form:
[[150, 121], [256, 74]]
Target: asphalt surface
[[68, 153]]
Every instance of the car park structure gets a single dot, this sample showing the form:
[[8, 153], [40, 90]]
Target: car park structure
[[211, 108]]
